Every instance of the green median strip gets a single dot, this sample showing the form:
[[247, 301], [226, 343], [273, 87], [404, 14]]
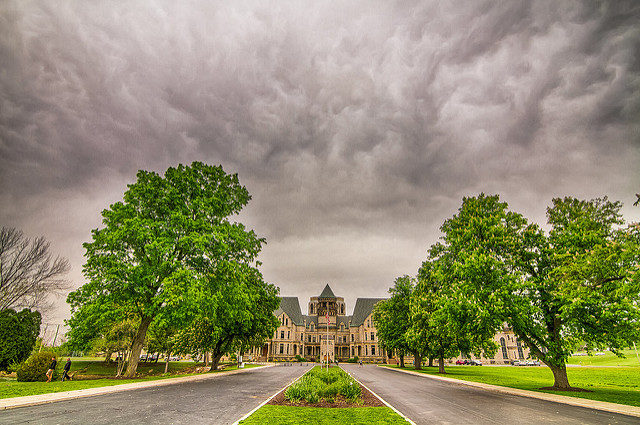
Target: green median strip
[[611, 384], [320, 416], [327, 397], [10, 389]]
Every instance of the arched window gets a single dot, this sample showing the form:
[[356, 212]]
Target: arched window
[[311, 327], [341, 308], [342, 327], [503, 344], [311, 309], [520, 353]]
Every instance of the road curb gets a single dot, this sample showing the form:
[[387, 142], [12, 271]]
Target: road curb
[[573, 401], [33, 400], [382, 400]]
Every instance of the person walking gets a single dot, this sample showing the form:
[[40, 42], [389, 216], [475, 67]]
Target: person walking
[[65, 370], [52, 367]]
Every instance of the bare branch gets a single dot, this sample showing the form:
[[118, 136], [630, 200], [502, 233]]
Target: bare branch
[[29, 274]]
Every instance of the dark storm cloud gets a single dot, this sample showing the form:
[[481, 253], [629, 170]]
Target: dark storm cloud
[[357, 126]]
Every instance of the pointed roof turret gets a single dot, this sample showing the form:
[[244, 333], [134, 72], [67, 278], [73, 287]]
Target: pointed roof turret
[[327, 292]]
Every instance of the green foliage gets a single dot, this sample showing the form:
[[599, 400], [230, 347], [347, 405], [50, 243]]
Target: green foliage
[[453, 307], [35, 367], [392, 318], [238, 313], [299, 358], [578, 283], [18, 334], [354, 359], [169, 249], [324, 384]]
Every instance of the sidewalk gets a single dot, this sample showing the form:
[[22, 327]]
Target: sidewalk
[[32, 400], [573, 401]]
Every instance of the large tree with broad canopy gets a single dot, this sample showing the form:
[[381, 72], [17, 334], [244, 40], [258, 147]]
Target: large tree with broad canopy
[[161, 248]]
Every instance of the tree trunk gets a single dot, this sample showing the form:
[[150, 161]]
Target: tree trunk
[[560, 379], [441, 364], [206, 358], [136, 347], [214, 360], [166, 363], [107, 356], [417, 360], [430, 361], [401, 360]]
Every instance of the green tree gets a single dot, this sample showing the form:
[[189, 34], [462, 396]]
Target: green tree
[[118, 339], [392, 318], [236, 309], [579, 283], [91, 318], [445, 320], [161, 338], [18, 334], [575, 284], [161, 244]]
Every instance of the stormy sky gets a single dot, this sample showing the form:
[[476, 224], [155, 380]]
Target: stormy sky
[[357, 126]]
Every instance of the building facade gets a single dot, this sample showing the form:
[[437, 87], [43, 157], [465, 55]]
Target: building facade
[[328, 333]]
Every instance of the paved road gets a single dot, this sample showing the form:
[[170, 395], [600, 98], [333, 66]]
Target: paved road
[[429, 401], [220, 400]]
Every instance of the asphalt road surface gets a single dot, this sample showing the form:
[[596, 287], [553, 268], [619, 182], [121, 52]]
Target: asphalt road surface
[[430, 401], [220, 400]]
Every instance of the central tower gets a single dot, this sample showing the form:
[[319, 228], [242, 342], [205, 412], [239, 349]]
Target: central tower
[[326, 304]]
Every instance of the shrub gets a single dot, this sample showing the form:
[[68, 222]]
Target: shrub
[[351, 390], [299, 358], [18, 333], [35, 367], [323, 384], [353, 360]]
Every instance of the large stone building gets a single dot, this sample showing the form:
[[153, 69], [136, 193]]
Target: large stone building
[[327, 332]]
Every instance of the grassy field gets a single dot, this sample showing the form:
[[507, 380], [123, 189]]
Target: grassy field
[[13, 388], [608, 359], [97, 366], [323, 416], [612, 384]]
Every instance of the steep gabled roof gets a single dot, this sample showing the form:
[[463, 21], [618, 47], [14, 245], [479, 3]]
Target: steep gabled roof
[[343, 319], [327, 292], [290, 306], [311, 319], [362, 310]]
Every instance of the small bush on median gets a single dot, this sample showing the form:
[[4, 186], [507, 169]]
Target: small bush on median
[[320, 384]]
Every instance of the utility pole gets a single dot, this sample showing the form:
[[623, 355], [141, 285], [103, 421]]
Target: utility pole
[[56, 336]]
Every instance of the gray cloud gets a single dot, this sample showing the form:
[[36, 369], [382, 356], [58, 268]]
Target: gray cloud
[[357, 126]]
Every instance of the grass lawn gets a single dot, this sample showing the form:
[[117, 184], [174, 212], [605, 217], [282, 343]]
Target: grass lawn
[[323, 416], [612, 384], [13, 388], [98, 367], [608, 359]]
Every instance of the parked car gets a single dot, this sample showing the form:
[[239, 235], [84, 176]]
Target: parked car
[[475, 362], [460, 362], [518, 363], [533, 363]]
